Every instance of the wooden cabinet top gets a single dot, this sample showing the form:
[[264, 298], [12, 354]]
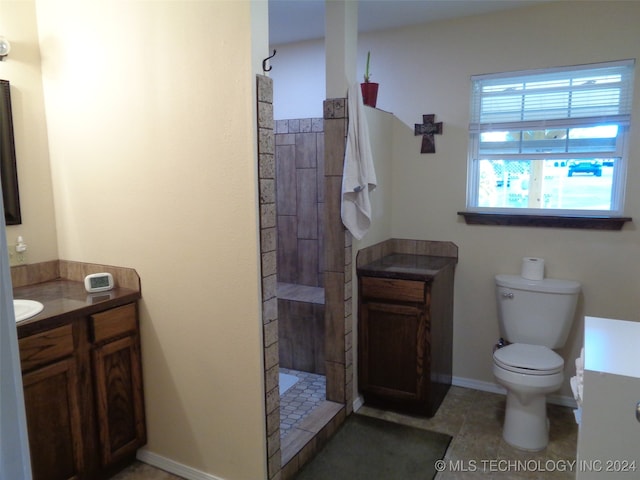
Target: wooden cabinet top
[[407, 266], [64, 300]]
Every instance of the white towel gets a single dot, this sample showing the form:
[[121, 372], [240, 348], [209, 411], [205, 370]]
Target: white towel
[[359, 176], [577, 382]]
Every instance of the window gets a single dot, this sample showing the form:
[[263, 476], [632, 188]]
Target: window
[[550, 142]]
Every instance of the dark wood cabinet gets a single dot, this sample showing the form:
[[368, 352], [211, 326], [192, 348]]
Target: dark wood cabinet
[[53, 416], [118, 383], [405, 331], [83, 395]]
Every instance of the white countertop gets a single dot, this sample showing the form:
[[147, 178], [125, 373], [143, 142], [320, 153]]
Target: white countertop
[[612, 346]]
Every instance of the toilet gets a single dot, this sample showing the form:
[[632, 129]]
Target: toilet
[[534, 316]]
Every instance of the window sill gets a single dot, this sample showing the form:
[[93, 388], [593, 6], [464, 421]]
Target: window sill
[[558, 221]]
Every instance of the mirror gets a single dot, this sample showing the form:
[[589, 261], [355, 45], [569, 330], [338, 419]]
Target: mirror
[[8, 170]]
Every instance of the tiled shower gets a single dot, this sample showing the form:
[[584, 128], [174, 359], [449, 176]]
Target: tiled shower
[[299, 159]]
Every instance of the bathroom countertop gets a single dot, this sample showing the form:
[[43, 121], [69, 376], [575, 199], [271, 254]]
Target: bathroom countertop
[[66, 299], [611, 346], [407, 266]]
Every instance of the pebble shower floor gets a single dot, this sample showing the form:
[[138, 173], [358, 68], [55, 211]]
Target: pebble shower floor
[[297, 402]]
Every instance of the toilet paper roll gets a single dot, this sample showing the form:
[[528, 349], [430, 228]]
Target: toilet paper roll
[[532, 268]]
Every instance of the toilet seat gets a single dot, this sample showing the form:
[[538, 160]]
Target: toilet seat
[[528, 359]]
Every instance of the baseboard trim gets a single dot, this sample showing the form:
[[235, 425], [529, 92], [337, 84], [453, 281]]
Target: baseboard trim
[[561, 400], [171, 466]]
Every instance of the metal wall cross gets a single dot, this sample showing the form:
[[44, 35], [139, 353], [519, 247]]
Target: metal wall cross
[[427, 130]]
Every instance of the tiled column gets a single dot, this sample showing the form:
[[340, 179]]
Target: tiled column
[[339, 357], [268, 236]]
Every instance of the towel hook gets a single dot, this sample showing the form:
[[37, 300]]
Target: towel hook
[[264, 62]]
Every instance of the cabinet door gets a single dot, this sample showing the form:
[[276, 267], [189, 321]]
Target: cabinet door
[[392, 350], [120, 407], [53, 421]]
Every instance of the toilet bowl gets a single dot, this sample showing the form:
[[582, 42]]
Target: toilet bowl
[[529, 373], [535, 316]]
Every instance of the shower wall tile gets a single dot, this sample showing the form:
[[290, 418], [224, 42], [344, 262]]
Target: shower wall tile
[[334, 108], [321, 254], [271, 333], [266, 166], [334, 144], [335, 243], [265, 140], [306, 150], [334, 316], [268, 239], [265, 115], [320, 164], [317, 125], [266, 175], [270, 310], [305, 125], [268, 215], [271, 356], [299, 161], [307, 205], [269, 264], [287, 248], [294, 126], [286, 139], [286, 180], [271, 378], [307, 262], [267, 190], [282, 126], [336, 388], [332, 225], [264, 87], [301, 348]]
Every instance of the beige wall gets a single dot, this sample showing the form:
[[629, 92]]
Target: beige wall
[[22, 70], [437, 61], [151, 119]]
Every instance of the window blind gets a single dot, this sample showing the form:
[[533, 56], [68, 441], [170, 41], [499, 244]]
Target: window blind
[[573, 96]]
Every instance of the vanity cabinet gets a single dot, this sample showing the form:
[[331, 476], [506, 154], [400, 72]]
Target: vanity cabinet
[[609, 431], [405, 332], [51, 395], [118, 383], [83, 394]]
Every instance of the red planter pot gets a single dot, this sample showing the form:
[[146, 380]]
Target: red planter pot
[[369, 93]]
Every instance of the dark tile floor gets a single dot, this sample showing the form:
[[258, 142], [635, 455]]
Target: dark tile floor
[[474, 420]]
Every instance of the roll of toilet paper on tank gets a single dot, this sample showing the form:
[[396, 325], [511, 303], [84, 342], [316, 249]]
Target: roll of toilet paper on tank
[[532, 268]]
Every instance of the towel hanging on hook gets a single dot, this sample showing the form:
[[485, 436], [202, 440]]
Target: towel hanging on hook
[[264, 62]]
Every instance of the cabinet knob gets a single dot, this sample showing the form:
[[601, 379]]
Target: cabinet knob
[[507, 295]]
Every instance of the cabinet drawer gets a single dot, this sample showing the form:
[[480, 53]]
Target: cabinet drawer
[[114, 323], [392, 289], [45, 347]]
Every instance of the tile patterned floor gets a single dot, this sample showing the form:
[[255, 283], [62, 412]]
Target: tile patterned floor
[[297, 402], [474, 420]]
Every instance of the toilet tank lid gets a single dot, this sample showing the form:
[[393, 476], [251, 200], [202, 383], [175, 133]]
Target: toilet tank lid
[[547, 285]]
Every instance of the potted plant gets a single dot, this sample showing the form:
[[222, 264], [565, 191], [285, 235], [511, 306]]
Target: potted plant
[[369, 89]]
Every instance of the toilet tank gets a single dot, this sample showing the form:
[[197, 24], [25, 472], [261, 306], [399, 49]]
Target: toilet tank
[[537, 312]]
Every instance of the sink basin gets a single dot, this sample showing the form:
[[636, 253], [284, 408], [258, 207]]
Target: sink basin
[[26, 309]]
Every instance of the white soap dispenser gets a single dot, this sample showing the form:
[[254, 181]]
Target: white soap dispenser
[[21, 246]]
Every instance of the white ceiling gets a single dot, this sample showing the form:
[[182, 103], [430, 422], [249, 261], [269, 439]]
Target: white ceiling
[[298, 20]]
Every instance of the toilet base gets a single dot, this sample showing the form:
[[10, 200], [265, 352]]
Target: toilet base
[[526, 425]]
